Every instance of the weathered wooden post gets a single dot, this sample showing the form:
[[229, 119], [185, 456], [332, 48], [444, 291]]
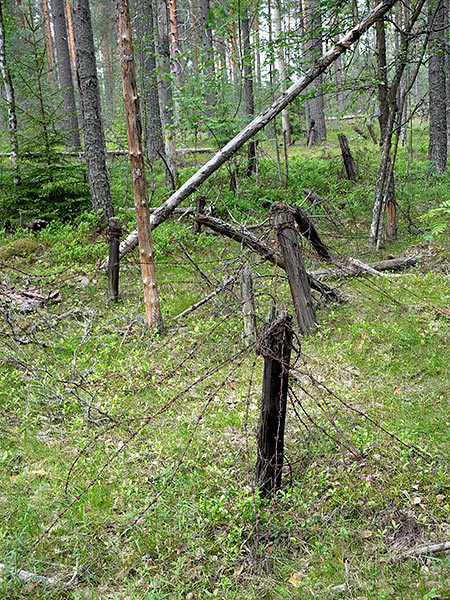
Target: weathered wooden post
[[373, 135], [308, 231], [113, 259], [295, 269], [276, 349], [347, 157], [199, 210], [248, 304]]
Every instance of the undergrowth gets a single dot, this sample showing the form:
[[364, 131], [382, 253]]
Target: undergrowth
[[123, 478]]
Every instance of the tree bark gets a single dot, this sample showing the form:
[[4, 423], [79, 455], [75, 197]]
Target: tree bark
[[10, 99], [248, 87], [208, 51], [175, 55], [165, 89], [312, 26], [280, 66], [70, 120], [48, 42], [298, 279], [382, 78], [94, 141], [438, 25], [259, 122], [153, 134], [134, 134], [276, 348]]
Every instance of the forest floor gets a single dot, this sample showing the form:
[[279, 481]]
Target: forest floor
[[127, 459]]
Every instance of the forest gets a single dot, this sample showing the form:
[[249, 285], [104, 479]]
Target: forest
[[224, 299]]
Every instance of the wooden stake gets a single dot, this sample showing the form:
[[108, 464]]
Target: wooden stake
[[347, 157], [199, 210], [113, 259], [373, 135], [134, 133], [248, 304], [276, 348], [297, 276]]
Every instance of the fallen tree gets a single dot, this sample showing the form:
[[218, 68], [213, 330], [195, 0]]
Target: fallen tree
[[353, 268], [259, 122]]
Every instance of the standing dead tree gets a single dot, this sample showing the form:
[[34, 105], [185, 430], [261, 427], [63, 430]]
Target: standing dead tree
[[259, 122], [134, 133]]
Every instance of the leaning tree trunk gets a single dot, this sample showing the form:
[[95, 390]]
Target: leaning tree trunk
[[134, 134], [70, 120], [94, 140], [10, 99], [438, 26], [259, 122], [153, 134]]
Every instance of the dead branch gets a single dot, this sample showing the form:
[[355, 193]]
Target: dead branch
[[354, 269], [307, 229], [427, 549], [206, 299]]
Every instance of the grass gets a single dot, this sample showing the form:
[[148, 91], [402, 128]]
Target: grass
[[175, 513]]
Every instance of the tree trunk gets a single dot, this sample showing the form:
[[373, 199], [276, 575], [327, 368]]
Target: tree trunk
[[71, 38], [208, 51], [438, 25], [280, 66], [10, 99], [134, 133], [165, 89], [382, 78], [259, 122], [175, 54], [94, 141], [248, 87], [48, 42], [312, 25], [153, 134], [70, 121]]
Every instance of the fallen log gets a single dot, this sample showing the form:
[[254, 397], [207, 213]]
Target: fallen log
[[354, 269], [243, 236], [259, 122]]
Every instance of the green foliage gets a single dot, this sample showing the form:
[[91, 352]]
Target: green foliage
[[438, 219]]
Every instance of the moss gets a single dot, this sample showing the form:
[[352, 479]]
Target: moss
[[20, 247]]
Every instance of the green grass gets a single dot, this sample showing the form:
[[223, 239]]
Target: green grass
[[354, 498]]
